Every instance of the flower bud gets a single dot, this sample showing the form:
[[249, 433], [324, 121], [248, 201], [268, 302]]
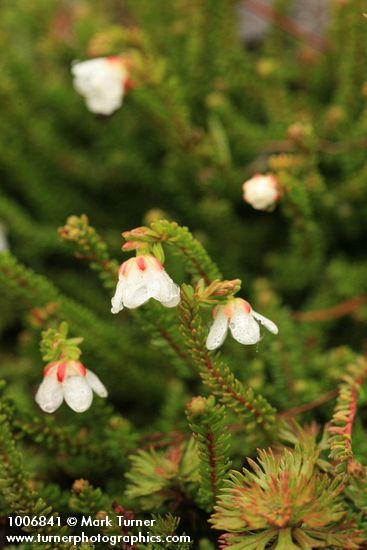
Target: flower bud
[[261, 191]]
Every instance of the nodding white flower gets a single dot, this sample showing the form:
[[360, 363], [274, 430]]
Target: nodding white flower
[[102, 82], [68, 380], [242, 321], [261, 191], [141, 278]]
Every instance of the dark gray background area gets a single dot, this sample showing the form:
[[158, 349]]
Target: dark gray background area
[[311, 14]]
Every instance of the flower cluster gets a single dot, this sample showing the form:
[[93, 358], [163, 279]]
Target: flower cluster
[[143, 277], [102, 82], [140, 279]]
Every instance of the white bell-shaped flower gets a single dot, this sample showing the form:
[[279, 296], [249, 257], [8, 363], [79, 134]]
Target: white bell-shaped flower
[[243, 322], [261, 191], [102, 82], [141, 278], [68, 380]]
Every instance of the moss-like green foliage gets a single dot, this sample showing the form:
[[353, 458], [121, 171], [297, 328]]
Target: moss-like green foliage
[[158, 477], [284, 500], [207, 422]]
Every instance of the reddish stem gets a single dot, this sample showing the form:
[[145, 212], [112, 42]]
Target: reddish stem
[[344, 308], [287, 24], [196, 265], [311, 405], [212, 462], [174, 345], [352, 411], [353, 406], [161, 440], [228, 389]]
